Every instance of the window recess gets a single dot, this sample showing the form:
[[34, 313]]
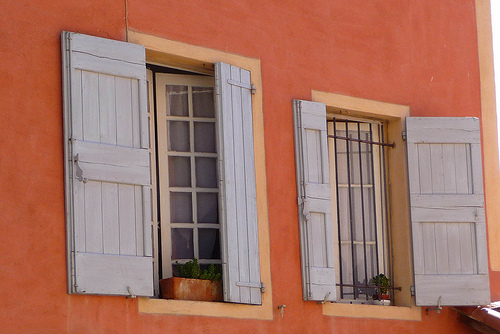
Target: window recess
[[359, 197], [187, 160]]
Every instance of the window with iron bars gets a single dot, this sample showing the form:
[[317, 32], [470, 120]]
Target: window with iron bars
[[359, 206]]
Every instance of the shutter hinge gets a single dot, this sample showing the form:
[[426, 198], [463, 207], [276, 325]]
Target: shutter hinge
[[412, 290], [260, 285], [251, 87], [403, 135]]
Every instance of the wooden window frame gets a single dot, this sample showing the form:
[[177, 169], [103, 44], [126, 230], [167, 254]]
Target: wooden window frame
[[399, 211], [178, 55], [163, 176]]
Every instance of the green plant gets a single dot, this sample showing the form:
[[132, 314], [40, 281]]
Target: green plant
[[192, 269], [381, 281]]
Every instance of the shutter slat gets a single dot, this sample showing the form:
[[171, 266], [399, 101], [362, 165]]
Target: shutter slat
[[107, 167], [315, 219], [239, 229], [107, 100], [93, 218], [111, 230], [447, 211]]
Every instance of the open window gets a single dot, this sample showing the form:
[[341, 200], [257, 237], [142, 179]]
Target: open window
[[207, 172], [446, 201]]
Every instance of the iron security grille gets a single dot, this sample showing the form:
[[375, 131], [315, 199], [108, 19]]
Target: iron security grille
[[359, 170]]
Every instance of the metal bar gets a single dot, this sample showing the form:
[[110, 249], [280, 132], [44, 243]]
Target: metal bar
[[374, 201], [385, 208], [370, 286], [351, 209], [363, 141], [362, 205], [338, 210]]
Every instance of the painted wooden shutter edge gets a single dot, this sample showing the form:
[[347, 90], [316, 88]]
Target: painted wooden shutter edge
[[68, 167], [325, 289], [232, 286]]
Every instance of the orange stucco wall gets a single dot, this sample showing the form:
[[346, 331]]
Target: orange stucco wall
[[420, 53]]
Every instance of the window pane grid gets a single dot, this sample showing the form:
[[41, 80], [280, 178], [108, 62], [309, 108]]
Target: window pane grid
[[191, 136], [361, 197]]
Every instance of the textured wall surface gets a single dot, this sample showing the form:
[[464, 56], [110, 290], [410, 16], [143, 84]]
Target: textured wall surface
[[420, 53]]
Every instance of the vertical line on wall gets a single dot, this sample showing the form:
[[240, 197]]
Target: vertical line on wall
[[126, 20]]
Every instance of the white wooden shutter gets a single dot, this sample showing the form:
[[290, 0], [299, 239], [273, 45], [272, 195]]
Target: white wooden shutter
[[313, 187], [447, 211], [107, 167], [239, 230]]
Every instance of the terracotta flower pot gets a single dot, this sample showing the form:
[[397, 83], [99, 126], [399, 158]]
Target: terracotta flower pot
[[382, 297], [191, 289]]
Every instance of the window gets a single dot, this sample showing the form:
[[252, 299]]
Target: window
[[358, 197], [187, 156], [208, 162], [446, 199]]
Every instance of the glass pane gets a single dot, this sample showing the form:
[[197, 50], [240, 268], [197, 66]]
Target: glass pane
[[204, 137], [208, 243], [203, 102], [206, 173], [178, 139], [182, 243], [207, 208], [177, 101], [180, 208], [179, 172]]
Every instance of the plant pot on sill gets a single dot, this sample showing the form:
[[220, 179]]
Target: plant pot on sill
[[382, 297], [191, 289]]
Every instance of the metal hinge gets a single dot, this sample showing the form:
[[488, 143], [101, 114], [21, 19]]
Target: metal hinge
[[260, 285], [240, 84], [412, 290], [403, 135]]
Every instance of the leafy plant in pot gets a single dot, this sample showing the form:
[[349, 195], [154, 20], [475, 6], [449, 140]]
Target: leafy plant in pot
[[381, 281], [193, 283]]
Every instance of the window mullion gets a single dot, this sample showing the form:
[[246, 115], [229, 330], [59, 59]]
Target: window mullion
[[194, 198]]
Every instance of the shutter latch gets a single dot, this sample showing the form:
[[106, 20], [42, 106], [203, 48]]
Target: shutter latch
[[79, 171], [437, 308], [326, 298], [130, 294]]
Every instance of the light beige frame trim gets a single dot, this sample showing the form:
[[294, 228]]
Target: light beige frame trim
[[489, 130], [399, 209], [200, 59]]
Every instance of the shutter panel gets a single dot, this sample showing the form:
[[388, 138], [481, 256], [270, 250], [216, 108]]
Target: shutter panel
[[239, 230], [107, 167], [447, 211], [313, 187]]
